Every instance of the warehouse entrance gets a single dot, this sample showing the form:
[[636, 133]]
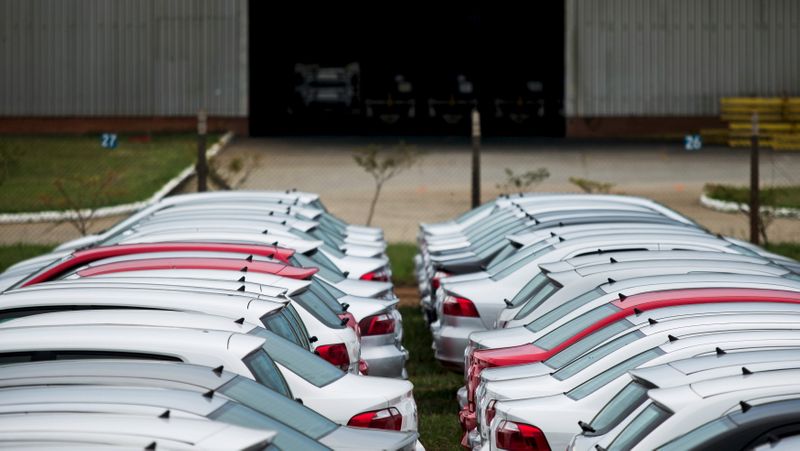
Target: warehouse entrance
[[416, 68]]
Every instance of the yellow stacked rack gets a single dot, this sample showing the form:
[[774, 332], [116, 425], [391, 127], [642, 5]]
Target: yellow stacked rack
[[778, 121]]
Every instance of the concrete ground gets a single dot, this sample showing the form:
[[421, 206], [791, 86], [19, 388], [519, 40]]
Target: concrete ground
[[437, 188]]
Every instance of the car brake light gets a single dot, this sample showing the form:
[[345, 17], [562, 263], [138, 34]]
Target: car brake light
[[378, 419], [363, 367], [377, 325], [436, 280], [350, 321], [378, 276], [490, 412], [335, 354], [520, 437], [455, 306], [487, 358]]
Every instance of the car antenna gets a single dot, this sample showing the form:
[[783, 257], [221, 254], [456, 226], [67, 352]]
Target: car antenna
[[622, 297], [613, 260], [265, 232], [346, 273], [209, 394], [745, 371], [150, 447], [345, 321], [586, 427], [240, 288], [218, 370], [610, 280], [244, 269], [745, 406], [241, 279], [249, 258], [345, 306], [636, 311], [720, 351], [508, 303], [239, 321], [672, 338], [165, 415]]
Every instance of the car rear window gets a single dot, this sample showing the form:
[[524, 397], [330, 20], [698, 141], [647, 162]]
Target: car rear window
[[522, 258], [506, 251], [266, 372], [320, 262], [530, 288], [535, 298], [573, 327], [559, 312], [319, 308], [597, 382], [566, 363], [696, 437], [302, 362], [278, 323], [626, 401], [281, 406], [644, 423], [287, 438]]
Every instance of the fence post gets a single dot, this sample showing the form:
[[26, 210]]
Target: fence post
[[202, 165], [755, 204], [476, 158]]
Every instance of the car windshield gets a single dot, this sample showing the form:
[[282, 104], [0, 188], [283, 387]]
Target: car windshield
[[266, 372], [695, 438], [565, 361], [573, 327], [320, 262], [534, 298], [270, 403], [597, 382], [626, 401], [522, 258], [287, 437], [559, 312], [300, 361], [644, 423]]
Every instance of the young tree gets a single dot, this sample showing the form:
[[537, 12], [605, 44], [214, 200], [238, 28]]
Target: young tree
[[521, 182], [591, 186], [81, 197], [383, 164]]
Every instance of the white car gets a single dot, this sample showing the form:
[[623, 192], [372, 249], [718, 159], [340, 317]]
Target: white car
[[275, 362], [128, 430], [727, 361]]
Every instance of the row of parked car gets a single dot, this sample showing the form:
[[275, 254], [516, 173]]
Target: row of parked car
[[219, 321], [605, 322]]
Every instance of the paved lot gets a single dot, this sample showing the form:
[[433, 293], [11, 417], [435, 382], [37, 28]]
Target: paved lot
[[438, 187]]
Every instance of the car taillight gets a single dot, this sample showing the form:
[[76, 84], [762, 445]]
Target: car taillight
[[378, 419], [436, 280], [490, 412], [377, 325], [363, 367], [455, 306], [487, 358], [378, 276], [520, 437], [335, 354], [351, 322]]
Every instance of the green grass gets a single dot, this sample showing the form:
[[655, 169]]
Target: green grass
[[783, 196], [434, 387], [18, 252], [791, 250], [402, 257], [30, 166]]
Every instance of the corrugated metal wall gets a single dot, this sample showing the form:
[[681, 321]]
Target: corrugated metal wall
[[123, 57], [677, 57]]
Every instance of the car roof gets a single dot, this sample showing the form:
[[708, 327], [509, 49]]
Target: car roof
[[206, 280], [300, 245], [135, 317], [181, 374], [143, 429], [645, 256], [77, 293], [712, 279], [706, 265], [200, 263], [190, 401], [673, 373], [164, 341]]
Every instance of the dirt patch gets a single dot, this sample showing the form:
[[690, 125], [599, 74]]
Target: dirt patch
[[409, 296]]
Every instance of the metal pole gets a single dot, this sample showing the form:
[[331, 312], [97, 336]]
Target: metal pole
[[755, 204], [476, 158], [202, 165]]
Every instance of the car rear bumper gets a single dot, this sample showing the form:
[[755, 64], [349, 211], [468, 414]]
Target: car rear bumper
[[450, 341]]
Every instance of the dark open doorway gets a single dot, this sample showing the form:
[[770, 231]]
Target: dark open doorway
[[415, 68]]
